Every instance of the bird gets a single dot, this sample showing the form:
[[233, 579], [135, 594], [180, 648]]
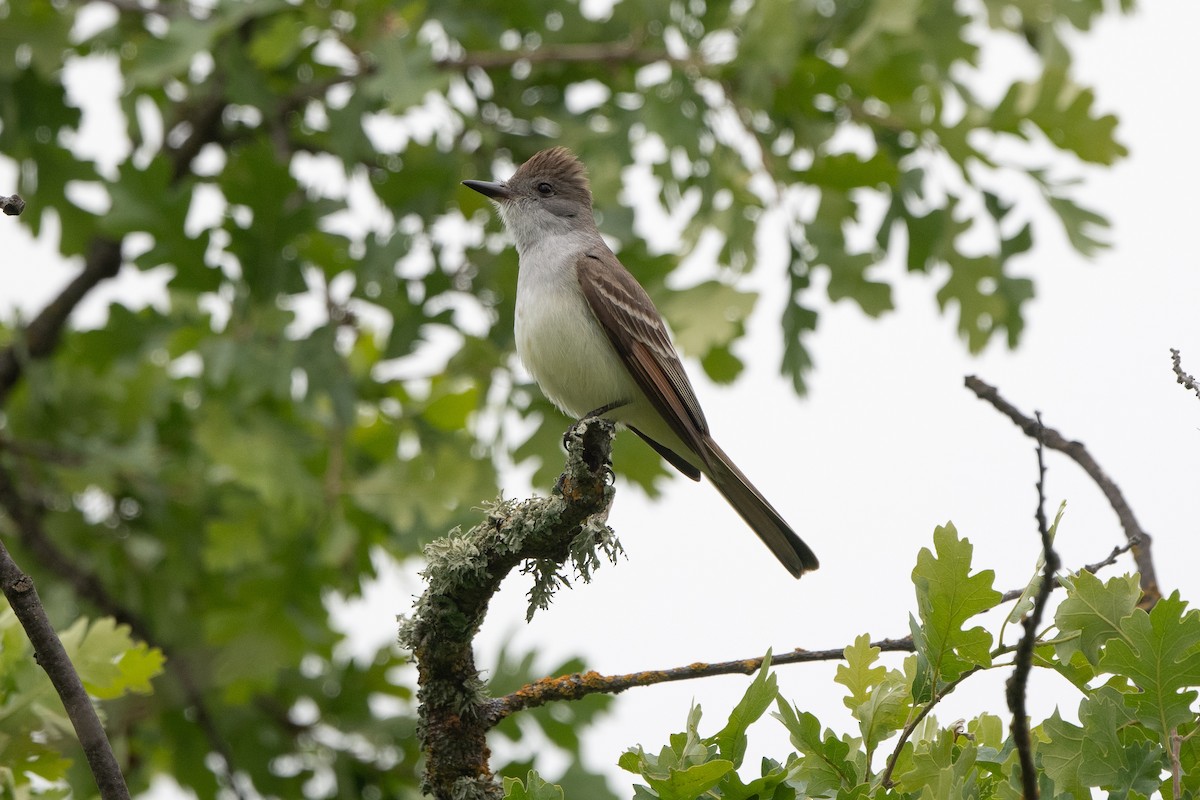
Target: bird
[[595, 344]]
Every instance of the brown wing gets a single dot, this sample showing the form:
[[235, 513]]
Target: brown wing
[[638, 334]]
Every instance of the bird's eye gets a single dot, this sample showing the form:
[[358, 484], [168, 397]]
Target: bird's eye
[[545, 189]]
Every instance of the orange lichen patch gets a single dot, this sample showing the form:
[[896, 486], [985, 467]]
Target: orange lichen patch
[[570, 491]]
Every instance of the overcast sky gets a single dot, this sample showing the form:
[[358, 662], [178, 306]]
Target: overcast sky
[[888, 444]]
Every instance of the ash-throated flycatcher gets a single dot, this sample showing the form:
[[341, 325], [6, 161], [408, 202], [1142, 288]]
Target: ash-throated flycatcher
[[597, 346]]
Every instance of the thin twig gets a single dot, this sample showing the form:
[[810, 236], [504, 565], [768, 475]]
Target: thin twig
[[1182, 377], [1139, 540], [1023, 664], [28, 525], [581, 684], [52, 657], [1175, 752], [40, 336], [134, 7], [12, 205], [885, 777], [626, 52], [1109, 560]]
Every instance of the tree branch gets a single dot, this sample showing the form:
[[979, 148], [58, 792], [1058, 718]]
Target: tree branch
[[1182, 377], [581, 684], [12, 205], [88, 587], [1138, 539], [1109, 560], [1019, 680], [52, 657], [40, 336], [464, 571], [33, 537], [626, 52], [885, 777]]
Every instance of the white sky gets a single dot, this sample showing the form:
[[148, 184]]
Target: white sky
[[889, 444]]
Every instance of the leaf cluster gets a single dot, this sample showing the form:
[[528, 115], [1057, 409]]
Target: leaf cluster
[[325, 379], [35, 733], [1137, 673]]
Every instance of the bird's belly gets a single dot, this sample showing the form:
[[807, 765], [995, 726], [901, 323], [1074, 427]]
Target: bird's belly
[[569, 355]]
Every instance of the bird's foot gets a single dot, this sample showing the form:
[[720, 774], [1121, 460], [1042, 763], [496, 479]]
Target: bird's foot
[[596, 413]]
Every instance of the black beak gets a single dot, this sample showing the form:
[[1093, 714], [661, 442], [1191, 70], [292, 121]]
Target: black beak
[[492, 189]]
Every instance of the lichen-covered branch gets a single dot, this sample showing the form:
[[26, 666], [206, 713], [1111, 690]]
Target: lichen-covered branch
[[1184, 379], [581, 684], [464, 572]]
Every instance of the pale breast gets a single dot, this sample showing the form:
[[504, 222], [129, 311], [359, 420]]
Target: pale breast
[[561, 343]]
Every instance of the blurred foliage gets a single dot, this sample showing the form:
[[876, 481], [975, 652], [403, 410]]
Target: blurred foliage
[[35, 734], [330, 375]]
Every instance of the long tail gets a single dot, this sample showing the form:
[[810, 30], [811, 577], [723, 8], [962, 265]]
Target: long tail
[[758, 513]]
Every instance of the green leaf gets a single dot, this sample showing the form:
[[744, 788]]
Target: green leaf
[[848, 281], [773, 32], [685, 769], [534, 788], [403, 73], [797, 322], [988, 300], [760, 695], [1160, 653], [108, 661], [1080, 224], [879, 699], [886, 711], [1025, 602], [690, 783], [450, 404], [885, 19], [1063, 111], [147, 200], [158, 59], [827, 765], [947, 596], [857, 673], [845, 171], [932, 768], [721, 365], [277, 42], [706, 316], [1112, 759], [247, 453], [1105, 752], [929, 236], [1094, 611], [414, 494], [579, 781], [847, 269]]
